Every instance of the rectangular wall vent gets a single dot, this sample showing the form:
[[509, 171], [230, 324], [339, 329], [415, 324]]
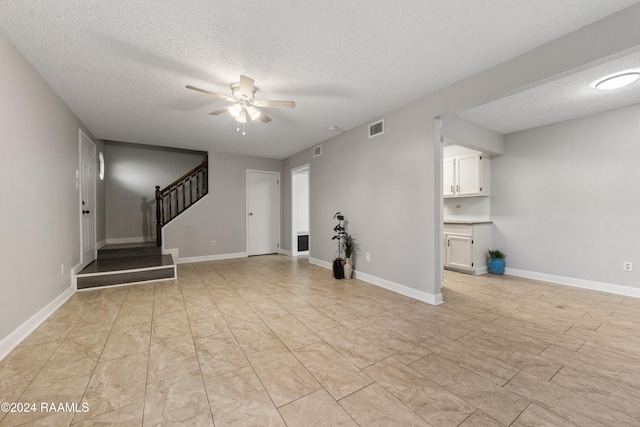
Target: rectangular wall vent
[[376, 128], [317, 151]]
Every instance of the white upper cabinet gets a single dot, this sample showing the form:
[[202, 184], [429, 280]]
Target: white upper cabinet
[[465, 175], [448, 177]]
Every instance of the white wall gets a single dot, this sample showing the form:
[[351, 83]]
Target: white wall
[[461, 132], [301, 185], [221, 215], [132, 173], [467, 208], [566, 201], [40, 215]]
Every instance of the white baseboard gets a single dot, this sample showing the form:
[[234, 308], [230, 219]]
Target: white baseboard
[[320, 263], [289, 253], [386, 284], [121, 240], [481, 270], [14, 338], [175, 253], [101, 244], [578, 283]]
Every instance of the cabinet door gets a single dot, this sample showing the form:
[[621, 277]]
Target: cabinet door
[[448, 177], [469, 175], [459, 252]]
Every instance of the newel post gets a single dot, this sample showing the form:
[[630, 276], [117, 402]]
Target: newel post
[[158, 216]]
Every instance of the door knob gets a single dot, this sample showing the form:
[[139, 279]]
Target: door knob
[[85, 212]]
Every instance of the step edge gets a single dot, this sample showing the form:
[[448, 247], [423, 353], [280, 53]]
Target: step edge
[[124, 284], [130, 270]]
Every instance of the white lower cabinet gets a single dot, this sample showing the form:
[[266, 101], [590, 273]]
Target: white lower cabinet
[[466, 246]]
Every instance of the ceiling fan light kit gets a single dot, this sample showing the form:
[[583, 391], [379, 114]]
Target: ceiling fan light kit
[[244, 102]]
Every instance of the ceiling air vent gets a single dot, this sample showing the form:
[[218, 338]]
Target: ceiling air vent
[[317, 151], [376, 128]]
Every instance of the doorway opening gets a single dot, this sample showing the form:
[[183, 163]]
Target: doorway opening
[[300, 210]]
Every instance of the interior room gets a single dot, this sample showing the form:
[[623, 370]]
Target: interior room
[[177, 174]]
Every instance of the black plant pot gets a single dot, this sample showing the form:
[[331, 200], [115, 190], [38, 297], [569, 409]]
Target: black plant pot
[[338, 269]]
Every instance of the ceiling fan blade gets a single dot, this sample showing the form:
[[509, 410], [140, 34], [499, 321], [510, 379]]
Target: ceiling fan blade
[[220, 111], [264, 118], [246, 87], [208, 92], [274, 104]]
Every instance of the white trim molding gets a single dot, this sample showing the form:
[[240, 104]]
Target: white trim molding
[[21, 332], [123, 240], [175, 253], [94, 288], [386, 284], [577, 283]]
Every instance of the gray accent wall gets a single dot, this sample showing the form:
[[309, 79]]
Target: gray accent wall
[[221, 215], [390, 187], [40, 215], [565, 198], [131, 175]]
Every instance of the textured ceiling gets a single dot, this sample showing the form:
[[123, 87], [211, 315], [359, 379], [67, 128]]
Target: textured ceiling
[[563, 99], [122, 66]]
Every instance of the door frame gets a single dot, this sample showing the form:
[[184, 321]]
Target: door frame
[[246, 208], [294, 205], [84, 137]]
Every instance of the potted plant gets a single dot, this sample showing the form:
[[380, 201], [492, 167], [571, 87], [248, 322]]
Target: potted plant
[[351, 247], [339, 230], [495, 261]]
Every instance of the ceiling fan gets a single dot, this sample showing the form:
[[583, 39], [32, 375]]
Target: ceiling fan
[[243, 101]]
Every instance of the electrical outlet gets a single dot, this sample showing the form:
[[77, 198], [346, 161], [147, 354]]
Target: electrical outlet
[[213, 243], [627, 266], [368, 257]]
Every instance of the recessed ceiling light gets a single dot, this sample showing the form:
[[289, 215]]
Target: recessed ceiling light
[[617, 80], [333, 128]]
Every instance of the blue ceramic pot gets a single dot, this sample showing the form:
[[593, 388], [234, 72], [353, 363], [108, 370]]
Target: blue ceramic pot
[[496, 266]]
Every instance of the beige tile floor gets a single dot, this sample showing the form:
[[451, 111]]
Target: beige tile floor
[[271, 341]]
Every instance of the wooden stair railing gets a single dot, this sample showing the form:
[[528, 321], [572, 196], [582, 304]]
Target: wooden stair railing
[[180, 195]]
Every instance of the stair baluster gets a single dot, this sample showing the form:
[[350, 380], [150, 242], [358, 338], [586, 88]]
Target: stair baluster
[[170, 195]]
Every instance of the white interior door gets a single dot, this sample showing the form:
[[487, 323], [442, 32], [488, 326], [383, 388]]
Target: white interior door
[[263, 212], [87, 199]]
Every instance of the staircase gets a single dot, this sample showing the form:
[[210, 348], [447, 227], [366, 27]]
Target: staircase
[[125, 264], [143, 262], [180, 195]]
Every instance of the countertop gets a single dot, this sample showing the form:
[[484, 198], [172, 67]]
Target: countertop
[[466, 221]]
